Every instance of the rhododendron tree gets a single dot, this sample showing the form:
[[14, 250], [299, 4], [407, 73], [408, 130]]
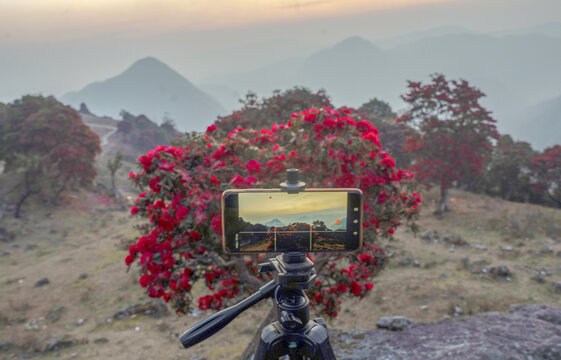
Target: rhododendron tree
[[547, 171], [181, 192], [262, 113], [454, 132], [39, 125]]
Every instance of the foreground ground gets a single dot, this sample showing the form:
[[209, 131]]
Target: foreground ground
[[79, 248]]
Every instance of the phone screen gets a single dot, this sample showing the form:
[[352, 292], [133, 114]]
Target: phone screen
[[270, 220]]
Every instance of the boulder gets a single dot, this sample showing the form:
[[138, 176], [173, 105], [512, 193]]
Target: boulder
[[501, 271], [395, 323], [455, 240], [154, 308], [42, 282], [58, 342], [524, 332]]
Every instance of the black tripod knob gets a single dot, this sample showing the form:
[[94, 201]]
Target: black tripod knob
[[289, 321]]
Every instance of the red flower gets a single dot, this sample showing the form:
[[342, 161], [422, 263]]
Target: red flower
[[216, 224], [253, 167], [211, 128], [134, 210], [129, 259]]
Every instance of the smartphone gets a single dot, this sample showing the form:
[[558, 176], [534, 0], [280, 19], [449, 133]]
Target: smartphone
[[271, 220]]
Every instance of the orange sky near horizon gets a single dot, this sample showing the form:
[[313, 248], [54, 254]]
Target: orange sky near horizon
[[63, 19]]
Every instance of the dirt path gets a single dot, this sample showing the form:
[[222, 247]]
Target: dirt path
[[105, 137]]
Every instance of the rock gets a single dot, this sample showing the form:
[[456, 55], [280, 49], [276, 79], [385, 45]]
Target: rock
[[429, 265], [540, 275], [479, 247], [556, 287], [456, 240], [541, 312], [464, 262], [57, 343], [80, 322], [6, 345], [524, 332], [196, 312], [430, 236], [55, 313], [547, 250], [408, 261], [42, 282], [479, 266], [424, 307], [558, 254], [6, 236], [154, 308], [6, 253], [101, 341], [457, 311], [501, 271], [29, 246], [509, 251], [395, 323], [83, 276]]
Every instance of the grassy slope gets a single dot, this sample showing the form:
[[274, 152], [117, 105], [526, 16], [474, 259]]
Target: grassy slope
[[76, 239]]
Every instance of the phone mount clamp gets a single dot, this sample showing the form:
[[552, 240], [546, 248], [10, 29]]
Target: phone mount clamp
[[294, 333]]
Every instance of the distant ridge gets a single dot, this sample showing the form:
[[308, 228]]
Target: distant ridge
[[540, 124], [152, 88]]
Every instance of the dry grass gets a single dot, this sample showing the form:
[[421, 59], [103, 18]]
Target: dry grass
[[95, 243]]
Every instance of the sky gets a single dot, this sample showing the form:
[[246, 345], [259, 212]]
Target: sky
[[54, 20], [264, 207], [52, 47]]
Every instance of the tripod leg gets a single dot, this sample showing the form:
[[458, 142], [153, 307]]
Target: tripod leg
[[268, 334], [321, 338]]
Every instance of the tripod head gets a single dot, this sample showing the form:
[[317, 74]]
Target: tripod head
[[293, 272]]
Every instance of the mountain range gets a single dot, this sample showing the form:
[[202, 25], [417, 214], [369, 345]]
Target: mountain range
[[518, 70], [151, 88], [540, 124], [515, 71]]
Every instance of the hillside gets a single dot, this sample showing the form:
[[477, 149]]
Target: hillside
[[484, 256], [132, 135], [152, 88]]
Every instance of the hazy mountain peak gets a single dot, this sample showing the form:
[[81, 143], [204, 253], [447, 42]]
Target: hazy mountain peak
[[152, 88], [150, 65], [353, 43]]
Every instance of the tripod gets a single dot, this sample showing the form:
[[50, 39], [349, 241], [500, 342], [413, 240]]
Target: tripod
[[294, 334]]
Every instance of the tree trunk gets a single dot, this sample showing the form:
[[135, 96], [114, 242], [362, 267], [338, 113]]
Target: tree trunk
[[20, 202], [27, 192], [57, 192], [444, 202], [252, 346], [557, 201], [113, 187]]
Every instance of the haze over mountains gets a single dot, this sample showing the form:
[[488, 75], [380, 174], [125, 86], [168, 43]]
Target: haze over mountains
[[515, 71], [517, 68], [151, 88]]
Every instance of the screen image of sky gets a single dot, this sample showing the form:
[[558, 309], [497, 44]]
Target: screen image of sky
[[281, 209]]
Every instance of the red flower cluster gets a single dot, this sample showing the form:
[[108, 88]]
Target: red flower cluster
[[183, 187]]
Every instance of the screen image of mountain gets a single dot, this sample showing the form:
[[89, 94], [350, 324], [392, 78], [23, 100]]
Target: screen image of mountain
[[308, 221]]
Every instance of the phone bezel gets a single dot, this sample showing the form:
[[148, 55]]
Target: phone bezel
[[238, 191]]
